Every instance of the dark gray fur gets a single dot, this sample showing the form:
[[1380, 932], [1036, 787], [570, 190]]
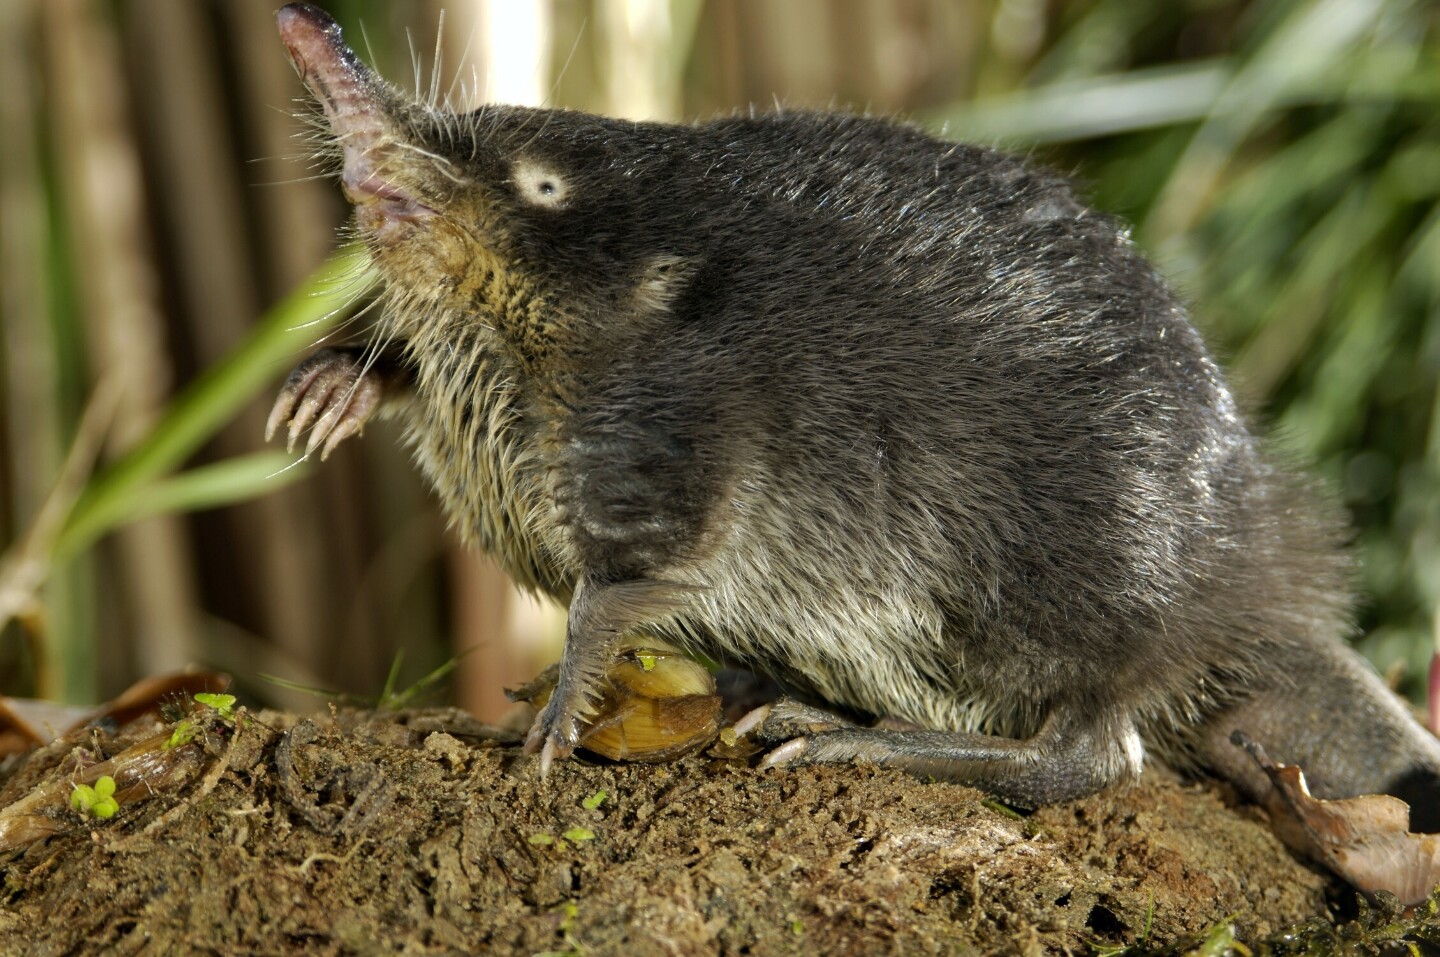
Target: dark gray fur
[[896, 421]]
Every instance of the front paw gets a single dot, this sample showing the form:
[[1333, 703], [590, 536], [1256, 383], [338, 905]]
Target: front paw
[[333, 393], [554, 734]]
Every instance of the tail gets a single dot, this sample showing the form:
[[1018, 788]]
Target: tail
[[1338, 722]]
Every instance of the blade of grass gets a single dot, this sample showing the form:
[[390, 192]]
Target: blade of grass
[[1297, 313], [207, 486], [1312, 45], [211, 400], [1097, 106], [26, 565]]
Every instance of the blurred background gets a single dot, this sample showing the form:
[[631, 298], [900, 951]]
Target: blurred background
[[158, 222]]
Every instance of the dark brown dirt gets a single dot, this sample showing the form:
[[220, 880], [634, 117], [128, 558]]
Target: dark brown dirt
[[410, 833]]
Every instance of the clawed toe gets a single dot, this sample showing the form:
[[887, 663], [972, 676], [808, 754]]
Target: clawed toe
[[552, 751], [792, 724], [752, 720], [788, 718], [331, 395], [785, 755], [547, 738]]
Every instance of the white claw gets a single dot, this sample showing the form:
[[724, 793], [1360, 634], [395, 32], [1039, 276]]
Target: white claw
[[786, 754], [322, 428], [548, 754], [340, 433], [751, 720], [278, 414], [297, 426]]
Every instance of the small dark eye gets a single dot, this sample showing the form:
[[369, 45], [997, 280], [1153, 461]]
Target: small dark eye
[[539, 185]]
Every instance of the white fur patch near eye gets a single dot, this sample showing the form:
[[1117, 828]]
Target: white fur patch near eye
[[539, 185]]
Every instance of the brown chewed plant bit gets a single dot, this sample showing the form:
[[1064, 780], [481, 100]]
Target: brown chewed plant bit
[[156, 766], [16, 734], [1365, 839], [655, 706]]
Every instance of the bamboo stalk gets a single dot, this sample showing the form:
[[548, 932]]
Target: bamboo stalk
[[105, 204], [30, 398]]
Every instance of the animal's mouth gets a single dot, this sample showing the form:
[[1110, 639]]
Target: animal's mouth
[[378, 202], [356, 106]]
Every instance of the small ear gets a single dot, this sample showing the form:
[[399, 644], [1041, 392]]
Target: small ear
[[662, 281]]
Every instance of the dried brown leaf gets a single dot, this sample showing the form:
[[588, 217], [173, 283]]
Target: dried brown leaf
[[1366, 840]]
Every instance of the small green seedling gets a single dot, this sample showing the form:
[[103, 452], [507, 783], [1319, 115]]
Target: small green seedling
[[541, 840], [183, 734], [578, 834], [97, 800], [392, 697], [569, 911], [1220, 940], [593, 801], [224, 704], [1003, 810]]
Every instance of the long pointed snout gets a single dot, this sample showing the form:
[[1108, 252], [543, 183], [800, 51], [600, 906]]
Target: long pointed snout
[[349, 91], [360, 109]]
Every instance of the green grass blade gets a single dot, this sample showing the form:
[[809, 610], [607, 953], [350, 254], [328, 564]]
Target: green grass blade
[[207, 486], [1097, 106], [215, 397]]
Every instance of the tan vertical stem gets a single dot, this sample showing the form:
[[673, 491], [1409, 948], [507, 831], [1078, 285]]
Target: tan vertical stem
[[103, 191]]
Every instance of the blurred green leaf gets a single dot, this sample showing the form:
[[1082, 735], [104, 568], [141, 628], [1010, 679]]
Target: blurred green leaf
[[206, 486], [1091, 107], [211, 401]]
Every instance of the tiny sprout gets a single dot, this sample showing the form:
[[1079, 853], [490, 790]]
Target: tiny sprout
[[1003, 810], [224, 704], [541, 840], [97, 800], [593, 801], [797, 927], [569, 912], [184, 733], [577, 834]]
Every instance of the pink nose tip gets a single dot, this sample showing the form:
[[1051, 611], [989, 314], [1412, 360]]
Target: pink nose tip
[[309, 32], [343, 84], [353, 97]]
